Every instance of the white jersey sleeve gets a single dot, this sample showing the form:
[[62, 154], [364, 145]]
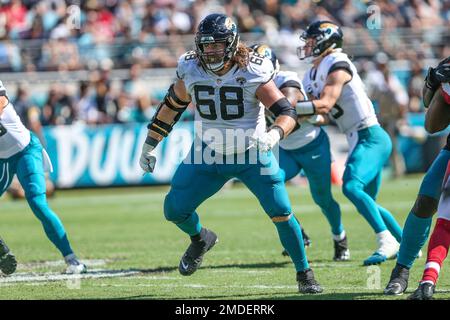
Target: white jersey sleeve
[[260, 70], [2, 90], [14, 137], [285, 79], [187, 66]]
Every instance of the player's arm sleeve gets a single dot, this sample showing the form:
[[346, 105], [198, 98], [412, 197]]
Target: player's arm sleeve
[[341, 65], [291, 84], [182, 66], [260, 70], [4, 100]]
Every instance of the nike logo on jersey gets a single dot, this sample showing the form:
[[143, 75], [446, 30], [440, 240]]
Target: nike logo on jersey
[[315, 157]]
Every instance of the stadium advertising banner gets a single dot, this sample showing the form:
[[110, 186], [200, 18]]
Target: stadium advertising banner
[[108, 155]]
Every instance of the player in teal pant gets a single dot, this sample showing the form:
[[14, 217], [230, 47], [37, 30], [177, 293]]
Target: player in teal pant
[[307, 148], [226, 82], [418, 224], [21, 153], [337, 93]]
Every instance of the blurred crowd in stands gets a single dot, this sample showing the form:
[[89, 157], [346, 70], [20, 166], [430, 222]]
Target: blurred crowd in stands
[[101, 35], [72, 34]]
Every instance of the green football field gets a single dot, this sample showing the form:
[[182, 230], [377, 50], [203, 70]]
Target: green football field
[[133, 253]]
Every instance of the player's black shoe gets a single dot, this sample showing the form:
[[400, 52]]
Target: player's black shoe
[[306, 241], [192, 258], [307, 283], [8, 262], [398, 282], [423, 292], [341, 252]]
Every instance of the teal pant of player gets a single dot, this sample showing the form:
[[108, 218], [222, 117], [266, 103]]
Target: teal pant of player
[[315, 159], [197, 179], [416, 229], [28, 165], [362, 178]]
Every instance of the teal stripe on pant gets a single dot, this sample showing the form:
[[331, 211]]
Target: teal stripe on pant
[[28, 165]]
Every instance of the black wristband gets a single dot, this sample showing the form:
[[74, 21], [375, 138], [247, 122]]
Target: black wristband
[[151, 141]]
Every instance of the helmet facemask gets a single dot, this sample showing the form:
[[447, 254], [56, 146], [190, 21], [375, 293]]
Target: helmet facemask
[[312, 47], [215, 60]]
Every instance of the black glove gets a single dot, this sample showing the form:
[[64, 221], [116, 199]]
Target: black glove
[[442, 71], [438, 75]]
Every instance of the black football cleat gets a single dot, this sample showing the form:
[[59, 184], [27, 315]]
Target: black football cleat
[[341, 251], [423, 292], [306, 241], [398, 282], [307, 283], [8, 262], [192, 258]]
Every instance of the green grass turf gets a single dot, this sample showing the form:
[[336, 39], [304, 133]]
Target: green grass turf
[[126, 229]]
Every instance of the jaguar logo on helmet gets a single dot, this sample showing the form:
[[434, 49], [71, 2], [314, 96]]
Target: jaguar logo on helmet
[[229, 24], [328, 27], [320, 37]]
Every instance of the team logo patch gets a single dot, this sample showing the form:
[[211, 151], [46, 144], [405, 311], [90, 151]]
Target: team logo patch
[[241, 80]]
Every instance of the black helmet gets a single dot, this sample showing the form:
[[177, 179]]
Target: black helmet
[[327, 35], [266, 51], [216, 28]]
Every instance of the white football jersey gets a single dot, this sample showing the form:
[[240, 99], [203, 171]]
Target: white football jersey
[[305, 132], [226, 106], [353, 110], [14, 137]]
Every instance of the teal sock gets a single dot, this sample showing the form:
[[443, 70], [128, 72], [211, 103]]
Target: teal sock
[[291, 238], [191, 225], [415, 234], [392, 224]]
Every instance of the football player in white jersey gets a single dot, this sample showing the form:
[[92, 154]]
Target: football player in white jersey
[[226, 83], [336, 91], [22, 154], [307, 147]]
